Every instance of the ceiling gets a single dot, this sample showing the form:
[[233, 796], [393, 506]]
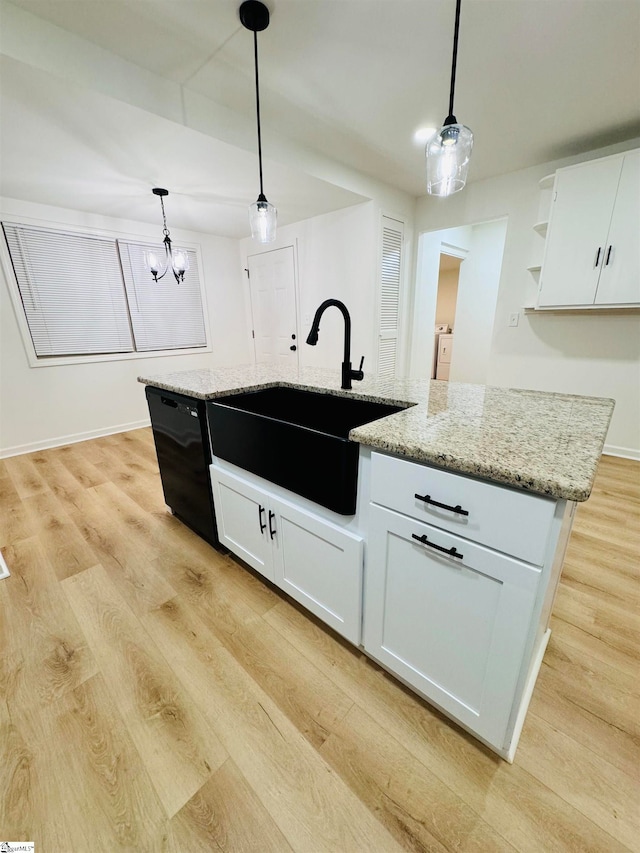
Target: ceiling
[[352, 80], [64, 145]]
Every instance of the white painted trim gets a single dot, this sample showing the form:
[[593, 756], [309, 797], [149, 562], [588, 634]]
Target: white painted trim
[[74, 438], [453, 251], [624, 452], [4, 571], [526, 697]]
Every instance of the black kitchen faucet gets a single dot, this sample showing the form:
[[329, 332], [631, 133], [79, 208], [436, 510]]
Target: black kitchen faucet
[[312, 339]]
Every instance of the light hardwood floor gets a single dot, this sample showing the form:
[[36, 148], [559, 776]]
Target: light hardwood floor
[[157, 696]]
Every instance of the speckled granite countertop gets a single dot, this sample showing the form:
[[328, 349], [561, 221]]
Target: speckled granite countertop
[[545, 443]]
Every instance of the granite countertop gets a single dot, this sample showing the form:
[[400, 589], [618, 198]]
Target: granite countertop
[[545, 443]]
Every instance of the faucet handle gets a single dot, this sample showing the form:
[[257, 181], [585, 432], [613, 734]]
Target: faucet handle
[[359, 373]]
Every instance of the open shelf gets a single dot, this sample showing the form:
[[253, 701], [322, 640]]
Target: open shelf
[[535, 268], [583, 310], [541, 227], [547, 182]]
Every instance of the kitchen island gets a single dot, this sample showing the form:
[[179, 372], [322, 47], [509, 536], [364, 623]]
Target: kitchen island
[[446, 572]]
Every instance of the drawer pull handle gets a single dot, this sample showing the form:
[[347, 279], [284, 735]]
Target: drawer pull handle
[[263, 524], [427, 500], [452, 552], [272, 530]]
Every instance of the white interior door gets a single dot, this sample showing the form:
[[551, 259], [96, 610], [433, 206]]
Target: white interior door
[[273, 306]]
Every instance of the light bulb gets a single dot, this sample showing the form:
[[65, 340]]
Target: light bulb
[[448, 154]]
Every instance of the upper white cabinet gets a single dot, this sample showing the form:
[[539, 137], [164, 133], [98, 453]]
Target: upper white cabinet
[[619, 281], [591, 255]]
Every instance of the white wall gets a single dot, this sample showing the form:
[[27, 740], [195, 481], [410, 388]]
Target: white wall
[[595, 355], [447, 297], [337, 256], [476, 305], [46, 406]]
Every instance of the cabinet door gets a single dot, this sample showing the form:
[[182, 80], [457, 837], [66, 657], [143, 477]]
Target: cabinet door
[[453, 628], [620, 277], [578, 228], [242, 515], [320, 565]]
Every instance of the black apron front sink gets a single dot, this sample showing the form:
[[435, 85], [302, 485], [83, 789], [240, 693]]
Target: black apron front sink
[[296, 439]]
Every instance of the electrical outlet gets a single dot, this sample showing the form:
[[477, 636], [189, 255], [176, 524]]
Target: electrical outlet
[[514, 318]]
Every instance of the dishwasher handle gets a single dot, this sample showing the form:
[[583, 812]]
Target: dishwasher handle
[[167, 401]]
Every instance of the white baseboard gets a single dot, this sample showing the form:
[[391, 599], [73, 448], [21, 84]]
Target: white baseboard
[[74, 438], [624, 452]]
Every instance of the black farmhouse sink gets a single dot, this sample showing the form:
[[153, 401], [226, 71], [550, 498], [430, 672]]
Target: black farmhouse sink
[[297, 439]]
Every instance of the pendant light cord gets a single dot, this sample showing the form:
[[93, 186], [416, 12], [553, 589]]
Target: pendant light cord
[[454, 60], [165, 230], [255, 56]]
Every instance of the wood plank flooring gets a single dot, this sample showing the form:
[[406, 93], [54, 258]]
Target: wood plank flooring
[[158, 696]]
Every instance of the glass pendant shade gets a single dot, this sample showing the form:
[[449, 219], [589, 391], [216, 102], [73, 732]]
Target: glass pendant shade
[[448, 153], [180, 263], [155, 263], [263, 218], [177, 259]]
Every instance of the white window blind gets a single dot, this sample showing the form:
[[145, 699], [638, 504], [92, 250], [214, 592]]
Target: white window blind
[[390, 280], [164, 314], [72, 291]]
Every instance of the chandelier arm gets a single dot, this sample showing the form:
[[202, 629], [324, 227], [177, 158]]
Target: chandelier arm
[[454, 62], [255, 57]]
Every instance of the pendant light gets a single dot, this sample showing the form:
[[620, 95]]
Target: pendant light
[[177, 259], [263, 216], [449, 150]]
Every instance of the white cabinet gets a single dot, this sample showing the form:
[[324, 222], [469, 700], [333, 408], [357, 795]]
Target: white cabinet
[[619, 281], [591, 253], [513, 522], [316, 562], [457, 573], [246, 525], [453, 627]]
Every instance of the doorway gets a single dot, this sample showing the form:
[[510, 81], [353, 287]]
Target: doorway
[[448, 277], [481, 248], [272, 285]]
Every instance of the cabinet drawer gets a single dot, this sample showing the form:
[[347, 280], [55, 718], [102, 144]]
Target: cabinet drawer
[[510, 521]]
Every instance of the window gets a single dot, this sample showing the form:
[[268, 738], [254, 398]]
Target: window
[[86, 295], [164, 315]]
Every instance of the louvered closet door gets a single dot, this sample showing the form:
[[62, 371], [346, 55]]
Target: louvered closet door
[[389, 310]]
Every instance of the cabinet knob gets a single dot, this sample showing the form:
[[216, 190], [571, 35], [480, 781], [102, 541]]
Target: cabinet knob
[[293, 348]]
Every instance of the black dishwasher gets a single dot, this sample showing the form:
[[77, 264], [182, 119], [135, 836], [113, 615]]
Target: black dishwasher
[[182, 445]]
